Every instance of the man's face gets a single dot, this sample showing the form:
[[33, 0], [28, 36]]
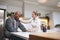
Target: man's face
[[17, 15]]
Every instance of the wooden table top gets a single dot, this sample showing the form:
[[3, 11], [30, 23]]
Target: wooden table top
[[53, 35]]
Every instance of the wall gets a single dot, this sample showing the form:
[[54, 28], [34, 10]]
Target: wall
[[30, 7], [13, 9], [3, 6], [11, 5], [56, 18], [16, 5]]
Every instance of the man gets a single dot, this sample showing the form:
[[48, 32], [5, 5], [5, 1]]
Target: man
[[12, 24]]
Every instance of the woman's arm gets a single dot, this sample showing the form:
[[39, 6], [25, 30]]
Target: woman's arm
[[24, 21]]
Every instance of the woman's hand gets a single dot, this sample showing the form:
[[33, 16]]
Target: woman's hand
[[28, 30]]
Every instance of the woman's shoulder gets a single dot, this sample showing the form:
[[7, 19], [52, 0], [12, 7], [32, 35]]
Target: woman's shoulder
[[37, 17]]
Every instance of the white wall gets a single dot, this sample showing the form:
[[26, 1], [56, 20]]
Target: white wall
[[13, 9], [11, 5], [3, 6], [56, 18], [30, 7]]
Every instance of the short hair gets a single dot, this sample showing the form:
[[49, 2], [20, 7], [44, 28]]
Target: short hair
[[16, 12], [8, 14], [12, 13]]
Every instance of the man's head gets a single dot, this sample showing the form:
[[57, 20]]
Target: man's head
[[17, 15]]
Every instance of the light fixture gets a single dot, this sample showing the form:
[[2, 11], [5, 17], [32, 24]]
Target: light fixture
[[58, 5], [42, 1]]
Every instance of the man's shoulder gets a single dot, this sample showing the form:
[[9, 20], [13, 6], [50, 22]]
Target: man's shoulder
[[9, 19]]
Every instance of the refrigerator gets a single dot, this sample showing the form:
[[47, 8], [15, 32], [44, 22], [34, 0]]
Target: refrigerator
[[2, 23]]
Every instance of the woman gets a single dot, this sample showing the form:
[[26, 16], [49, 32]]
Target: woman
[[35, 23]]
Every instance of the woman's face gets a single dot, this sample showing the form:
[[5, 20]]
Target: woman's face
[[33, 15]]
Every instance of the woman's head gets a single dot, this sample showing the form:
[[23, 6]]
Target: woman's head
[[34, 14]]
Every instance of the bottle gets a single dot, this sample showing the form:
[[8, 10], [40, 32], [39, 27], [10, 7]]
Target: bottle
[[44, 28]]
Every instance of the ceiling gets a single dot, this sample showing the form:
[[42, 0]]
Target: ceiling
[[49, 3]]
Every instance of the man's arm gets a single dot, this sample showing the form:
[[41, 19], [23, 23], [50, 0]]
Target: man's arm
[[21, 26]]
